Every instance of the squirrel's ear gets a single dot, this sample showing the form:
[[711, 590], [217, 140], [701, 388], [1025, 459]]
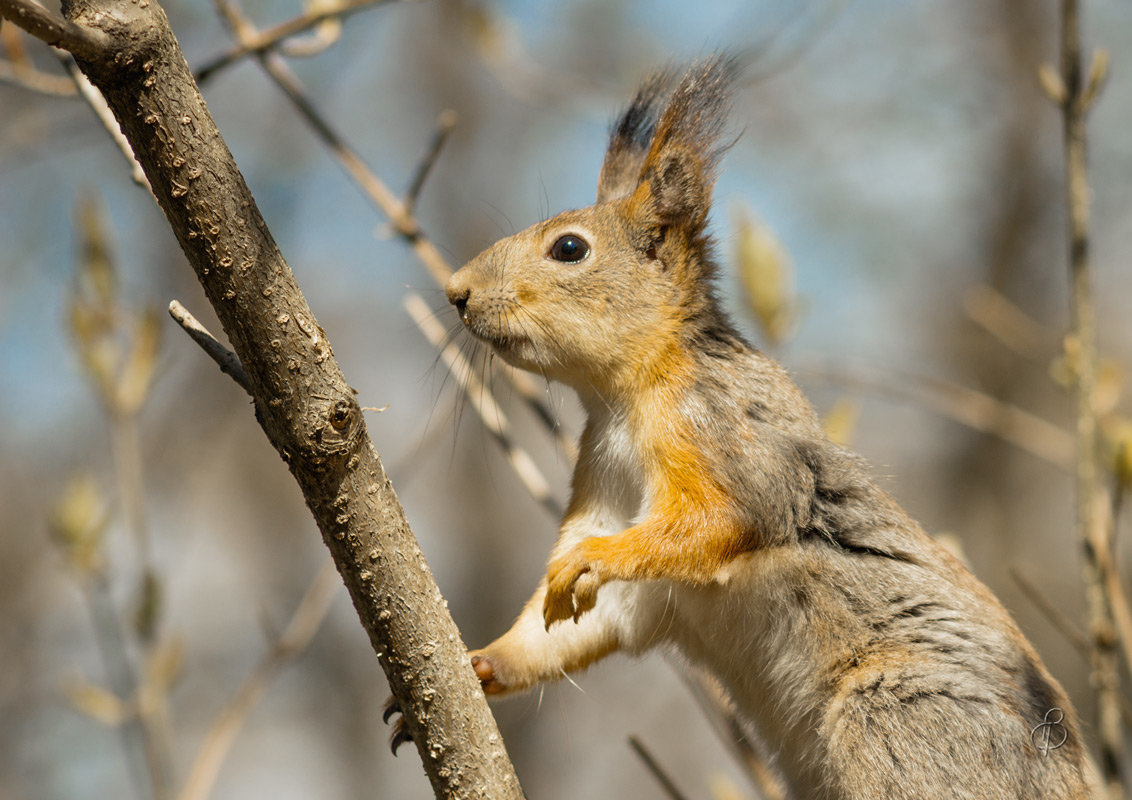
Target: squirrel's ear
[[678, 172], [630, 137]]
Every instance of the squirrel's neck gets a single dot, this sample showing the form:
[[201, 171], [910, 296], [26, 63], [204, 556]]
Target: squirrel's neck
[[655, 369]]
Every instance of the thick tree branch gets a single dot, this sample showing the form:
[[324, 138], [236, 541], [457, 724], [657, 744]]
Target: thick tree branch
[[302, 400]]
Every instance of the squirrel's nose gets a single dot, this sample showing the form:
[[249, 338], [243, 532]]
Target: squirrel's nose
[[458, 293]]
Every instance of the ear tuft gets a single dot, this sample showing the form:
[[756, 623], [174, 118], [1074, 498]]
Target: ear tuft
[[630, 136], [665, 146], [680, 166]]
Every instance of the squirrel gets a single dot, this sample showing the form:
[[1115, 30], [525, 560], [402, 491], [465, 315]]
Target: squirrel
[[710, 512]]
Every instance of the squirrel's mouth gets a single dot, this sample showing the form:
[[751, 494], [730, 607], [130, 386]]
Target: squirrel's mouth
[[505, 342], [499, 337]]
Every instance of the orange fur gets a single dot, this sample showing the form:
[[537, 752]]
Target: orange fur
[[691, 531]]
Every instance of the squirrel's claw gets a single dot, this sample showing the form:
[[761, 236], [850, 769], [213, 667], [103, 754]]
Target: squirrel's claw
[[557, 607], [400, 730], [572, 582], [391, 707], [400, 736], [559, 602], [585, 593]]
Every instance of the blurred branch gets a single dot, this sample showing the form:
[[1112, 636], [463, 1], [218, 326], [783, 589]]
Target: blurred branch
[[118, 350], [36, 81], [261, 42], [97, 104], [653, 766], [1003, 320], [225, 359], [976, 410], [1122, 614], [484, 403], [19, 70], [1075, 96], [122, 678], [55, 30], [404, 223], [444, 125], [304, 624], [1056, 617], [727, 726]]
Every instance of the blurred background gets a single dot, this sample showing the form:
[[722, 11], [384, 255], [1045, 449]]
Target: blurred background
[[895, 199]]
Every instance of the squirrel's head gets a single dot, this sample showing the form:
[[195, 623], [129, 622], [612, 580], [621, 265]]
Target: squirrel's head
[[591, 297]]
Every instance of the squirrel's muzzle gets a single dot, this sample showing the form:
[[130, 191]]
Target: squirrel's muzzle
[[458, 294]]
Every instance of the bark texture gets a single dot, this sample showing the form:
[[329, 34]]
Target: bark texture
[[302, 400]]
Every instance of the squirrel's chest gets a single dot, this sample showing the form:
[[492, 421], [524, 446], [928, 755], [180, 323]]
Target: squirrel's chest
[[612, 474]]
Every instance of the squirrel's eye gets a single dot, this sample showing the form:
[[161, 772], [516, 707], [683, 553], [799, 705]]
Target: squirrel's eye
[[569, 248]]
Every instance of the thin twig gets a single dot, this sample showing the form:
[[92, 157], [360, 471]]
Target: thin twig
[[403, 223], [653, 766], [1056, 617], [445, 122], [122, 680], [1093, 533], [152, 715], [1065, 626], [725, 722], [227, 361], [35, 80], [482, 401], [1005, 321], [86, 43], [267, 40], [105, 116], [976, 410], [305, 622]]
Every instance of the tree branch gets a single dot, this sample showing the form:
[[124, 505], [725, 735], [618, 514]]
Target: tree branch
[[444, 125], [978, 411], [272, 37], [304, 623], [653, 766], [97, 104], [1093, 530], [225, 359], [302, 400], [55, 30]]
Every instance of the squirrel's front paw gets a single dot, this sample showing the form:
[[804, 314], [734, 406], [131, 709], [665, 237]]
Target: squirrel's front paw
[[572, 582]]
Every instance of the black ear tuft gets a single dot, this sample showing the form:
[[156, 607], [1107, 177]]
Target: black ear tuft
[[631, 134]]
